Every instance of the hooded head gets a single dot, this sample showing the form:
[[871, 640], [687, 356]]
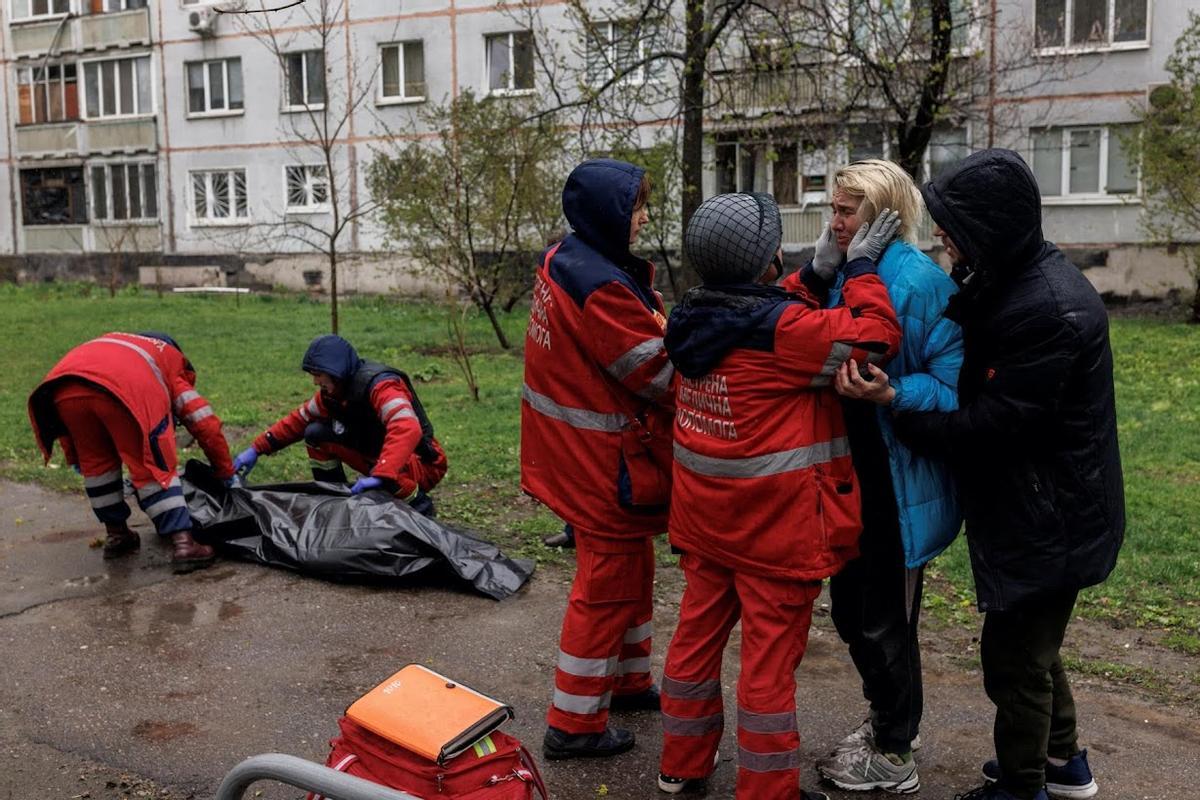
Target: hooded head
[[732, 238], [598, 202], [990, 207], [333, 356]]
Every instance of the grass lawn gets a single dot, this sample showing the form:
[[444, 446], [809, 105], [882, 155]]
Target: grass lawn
[[247, 353]]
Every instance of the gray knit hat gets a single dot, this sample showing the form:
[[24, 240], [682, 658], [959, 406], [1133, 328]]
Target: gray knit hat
[[732, 238]]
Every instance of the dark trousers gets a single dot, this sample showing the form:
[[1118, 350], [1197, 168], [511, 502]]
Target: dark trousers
[[1023, 675], [876, 603]]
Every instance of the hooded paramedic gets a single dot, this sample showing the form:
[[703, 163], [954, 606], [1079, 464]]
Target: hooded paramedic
[[114, 400], [595, 448], [366, 415]]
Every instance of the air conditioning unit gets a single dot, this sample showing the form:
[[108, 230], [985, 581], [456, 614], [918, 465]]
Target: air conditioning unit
[[203, 21]]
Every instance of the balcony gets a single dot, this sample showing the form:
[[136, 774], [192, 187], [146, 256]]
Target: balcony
[[757, 93], [73, 34], [85, 138]]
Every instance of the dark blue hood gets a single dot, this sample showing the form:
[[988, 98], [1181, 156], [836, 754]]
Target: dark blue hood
[[709, 322], [332, 355], [162, 337], [598, 203]]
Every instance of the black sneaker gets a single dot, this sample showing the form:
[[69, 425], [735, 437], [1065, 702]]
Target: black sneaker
[[646, 700], [558, 744], [1071, 781], [990, 791]]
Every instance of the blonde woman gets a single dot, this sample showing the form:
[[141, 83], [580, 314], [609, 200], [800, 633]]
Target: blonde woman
[[909, 509]]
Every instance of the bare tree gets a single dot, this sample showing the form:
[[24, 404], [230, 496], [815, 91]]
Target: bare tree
[[811, 67], [477, 203], [322, 88]]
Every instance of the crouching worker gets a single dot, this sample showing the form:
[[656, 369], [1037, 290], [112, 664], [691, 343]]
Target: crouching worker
[[114, 400], [765, 501], [364, 414]]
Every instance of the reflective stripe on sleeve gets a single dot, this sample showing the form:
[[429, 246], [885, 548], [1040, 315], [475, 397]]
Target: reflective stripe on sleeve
[[766, 464], [837, 356], [659, 384], [390, 406], [199, 414], [185, 398], [575, 417], [634, 357]]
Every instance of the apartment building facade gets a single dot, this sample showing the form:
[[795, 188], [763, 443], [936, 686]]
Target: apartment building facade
[[166, 127]]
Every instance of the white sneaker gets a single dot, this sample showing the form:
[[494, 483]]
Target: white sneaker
[[866, 768], [864, 735]]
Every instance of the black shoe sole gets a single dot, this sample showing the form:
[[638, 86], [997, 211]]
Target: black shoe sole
[[191, 565], [122, 550], [563, 755]]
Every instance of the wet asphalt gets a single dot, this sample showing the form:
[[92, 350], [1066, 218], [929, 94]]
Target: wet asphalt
[[119, 679]]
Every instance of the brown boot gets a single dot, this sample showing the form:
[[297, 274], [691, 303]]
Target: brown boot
[[189, 554], [119, 540]]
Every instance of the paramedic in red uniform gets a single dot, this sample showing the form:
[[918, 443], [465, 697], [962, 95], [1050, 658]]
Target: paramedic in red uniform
[[765, 502], [115, 400], [364, 414], [595, 448]]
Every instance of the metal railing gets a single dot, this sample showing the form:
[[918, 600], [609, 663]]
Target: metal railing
[[754, 93], [304, 775]]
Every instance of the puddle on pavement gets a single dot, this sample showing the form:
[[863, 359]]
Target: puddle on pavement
[[160, 731], [153, 624], [68, 536]]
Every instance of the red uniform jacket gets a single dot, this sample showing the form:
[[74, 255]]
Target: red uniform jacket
[[763, 479], [594, 357], [149, 377], [394, 460]]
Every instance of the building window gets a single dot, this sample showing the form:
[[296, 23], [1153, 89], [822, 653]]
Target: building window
[[104, 6], [33, 9], [509, 59], [1083, 162], [403, 69], [214, 87], [304, 74], [53, 196], [118, 87], [618, 48], [47, 94], [307, 187], [219, 196], [763, 167], [123, 192], [947, 146], [1090, 24], [866, 141]]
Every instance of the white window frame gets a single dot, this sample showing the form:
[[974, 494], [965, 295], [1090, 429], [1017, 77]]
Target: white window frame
[[209, 111], [310, 180], [108, 166], [510, 90], [401, 99], [1102, 197], [305, 106], [41, 17], [1110, 45], [121, 5], [82, 78], [232, 220], [611, 64]]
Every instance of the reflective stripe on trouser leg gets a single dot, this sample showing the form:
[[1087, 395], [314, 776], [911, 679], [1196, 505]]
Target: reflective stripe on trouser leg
[[325, 466], [166, 507], [776, 615], [606, 599], [633, 666], [692, 710], [106, 494]]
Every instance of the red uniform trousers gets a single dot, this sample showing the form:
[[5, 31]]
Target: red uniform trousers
[[104, 434], [604, 648], [775, 617]]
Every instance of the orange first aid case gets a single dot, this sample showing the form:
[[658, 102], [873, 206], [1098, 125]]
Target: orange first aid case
[[428, 714]]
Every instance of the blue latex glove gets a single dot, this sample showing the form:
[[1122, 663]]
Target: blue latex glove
[[233, 480], [245, 461], [365, 485]]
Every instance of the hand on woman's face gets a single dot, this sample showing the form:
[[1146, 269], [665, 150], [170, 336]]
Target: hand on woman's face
[[845, 221]]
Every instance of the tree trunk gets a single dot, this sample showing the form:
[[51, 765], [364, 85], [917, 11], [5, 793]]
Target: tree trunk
[[692, 157], [333, 289], [914, 137], [489, 308], [1195, 320]]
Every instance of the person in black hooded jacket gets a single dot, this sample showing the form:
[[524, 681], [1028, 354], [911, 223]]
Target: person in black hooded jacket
[[1034, 448]]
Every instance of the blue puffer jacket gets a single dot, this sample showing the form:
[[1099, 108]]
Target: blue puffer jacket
[[925, 376]]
